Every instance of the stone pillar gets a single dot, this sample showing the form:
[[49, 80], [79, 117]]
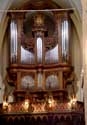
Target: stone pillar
[[84, 46], [85, 93], [2, 89]]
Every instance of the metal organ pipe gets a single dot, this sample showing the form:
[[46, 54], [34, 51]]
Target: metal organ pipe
[[13, 40], [39, 50], [65, 40]]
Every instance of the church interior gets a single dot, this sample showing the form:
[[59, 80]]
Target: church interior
[[42, 75]]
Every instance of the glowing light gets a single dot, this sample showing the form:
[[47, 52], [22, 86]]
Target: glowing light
[[51, 102], [9, 108], [5, 105], [72, 103], [74, 100], [26, 105]]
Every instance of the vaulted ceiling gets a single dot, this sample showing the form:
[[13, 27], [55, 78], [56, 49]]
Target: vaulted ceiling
[[6, 4], [76, 4]]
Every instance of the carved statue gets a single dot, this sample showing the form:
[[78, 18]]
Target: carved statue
[[8, 90], [2, 88], [71, 83]]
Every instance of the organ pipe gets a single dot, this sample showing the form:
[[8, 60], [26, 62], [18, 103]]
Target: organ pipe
[[65, 40], [13, 41]]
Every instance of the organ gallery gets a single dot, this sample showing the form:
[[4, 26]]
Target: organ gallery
[[40, 70]]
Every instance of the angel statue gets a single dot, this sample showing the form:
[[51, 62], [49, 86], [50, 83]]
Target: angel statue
[[71, 83]]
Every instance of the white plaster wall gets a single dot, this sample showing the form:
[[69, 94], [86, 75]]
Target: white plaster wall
[[76, 54]]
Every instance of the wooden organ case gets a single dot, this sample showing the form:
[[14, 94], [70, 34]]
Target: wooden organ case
[[40, 58], [41, 69]]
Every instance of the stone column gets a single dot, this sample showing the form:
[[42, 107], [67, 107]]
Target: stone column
[[84, 46], [2, 89]]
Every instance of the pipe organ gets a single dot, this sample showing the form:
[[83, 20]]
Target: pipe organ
[[41, 70], [40, 54]]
